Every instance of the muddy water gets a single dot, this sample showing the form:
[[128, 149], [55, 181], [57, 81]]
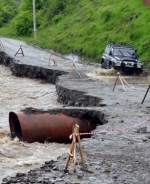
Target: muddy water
[[16, 94], [110, 76]]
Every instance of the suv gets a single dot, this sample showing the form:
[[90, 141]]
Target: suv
[[121, 57]]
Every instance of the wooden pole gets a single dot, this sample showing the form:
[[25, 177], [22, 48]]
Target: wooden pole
[[70, 73], [145, 94], [116, 81], [52, 58], [122, 83], [19, 50], [81, 153], [75, 131], [72, 152], [70, 155], [22, 51], [74, 68], [1, 44], [77, 71]]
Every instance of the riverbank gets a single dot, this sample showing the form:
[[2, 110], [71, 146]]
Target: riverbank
[[119, 156], [17, 93]]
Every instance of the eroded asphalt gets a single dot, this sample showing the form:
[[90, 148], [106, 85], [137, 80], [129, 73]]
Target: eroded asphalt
[[122, 154]]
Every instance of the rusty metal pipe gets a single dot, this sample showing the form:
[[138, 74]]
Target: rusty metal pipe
[[46, 127]]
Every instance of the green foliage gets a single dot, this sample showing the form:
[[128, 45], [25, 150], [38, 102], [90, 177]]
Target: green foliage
[[23, 23], [8, 10], [52, 8], [45, 10], [27, 5], [83, 27], [106, 14], [57, 18]]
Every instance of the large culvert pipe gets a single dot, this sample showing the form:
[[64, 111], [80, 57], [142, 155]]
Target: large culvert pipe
[[46, 127]]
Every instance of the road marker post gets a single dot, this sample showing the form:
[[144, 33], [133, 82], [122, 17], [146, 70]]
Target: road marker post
[[52, 58], [73, 67], [20, 49], [72, 152], [1, 44], [122, 83], [116, 81], [119, 77]]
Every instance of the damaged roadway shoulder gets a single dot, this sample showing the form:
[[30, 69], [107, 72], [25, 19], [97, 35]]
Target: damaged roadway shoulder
[[119, 156]]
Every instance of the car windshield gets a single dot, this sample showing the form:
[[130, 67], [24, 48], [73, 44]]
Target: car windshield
[[124, 52]]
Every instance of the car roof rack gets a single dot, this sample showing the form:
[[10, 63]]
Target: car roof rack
[[120, 44]]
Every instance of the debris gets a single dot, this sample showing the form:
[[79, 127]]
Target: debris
[[142, 130]]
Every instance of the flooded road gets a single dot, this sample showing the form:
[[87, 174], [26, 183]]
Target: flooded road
[[110, 75], [123, 109], [17, 93]]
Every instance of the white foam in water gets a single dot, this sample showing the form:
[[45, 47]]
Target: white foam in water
[[72, 57], [105, 72], [17, 93]]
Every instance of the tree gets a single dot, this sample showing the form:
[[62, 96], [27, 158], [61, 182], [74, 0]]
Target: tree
[[8, 10]]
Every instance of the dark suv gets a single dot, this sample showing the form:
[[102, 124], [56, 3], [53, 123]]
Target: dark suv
[[121, 57]]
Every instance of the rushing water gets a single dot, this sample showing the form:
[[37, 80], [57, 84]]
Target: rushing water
[[110, 76], [17, 93]]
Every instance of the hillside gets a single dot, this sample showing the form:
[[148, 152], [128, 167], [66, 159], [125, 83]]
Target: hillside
[[83, 27]]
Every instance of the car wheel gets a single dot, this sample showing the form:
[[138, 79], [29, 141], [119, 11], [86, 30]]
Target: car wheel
[[138, 72], [110, 65], [102, 65]]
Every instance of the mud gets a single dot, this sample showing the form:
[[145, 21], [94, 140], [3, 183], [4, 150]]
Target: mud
[[121, 155]]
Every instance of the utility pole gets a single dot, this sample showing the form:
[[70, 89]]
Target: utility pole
[[34, 19]]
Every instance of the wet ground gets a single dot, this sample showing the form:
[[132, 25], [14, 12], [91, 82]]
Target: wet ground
[[122, 154], [16, 94]]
